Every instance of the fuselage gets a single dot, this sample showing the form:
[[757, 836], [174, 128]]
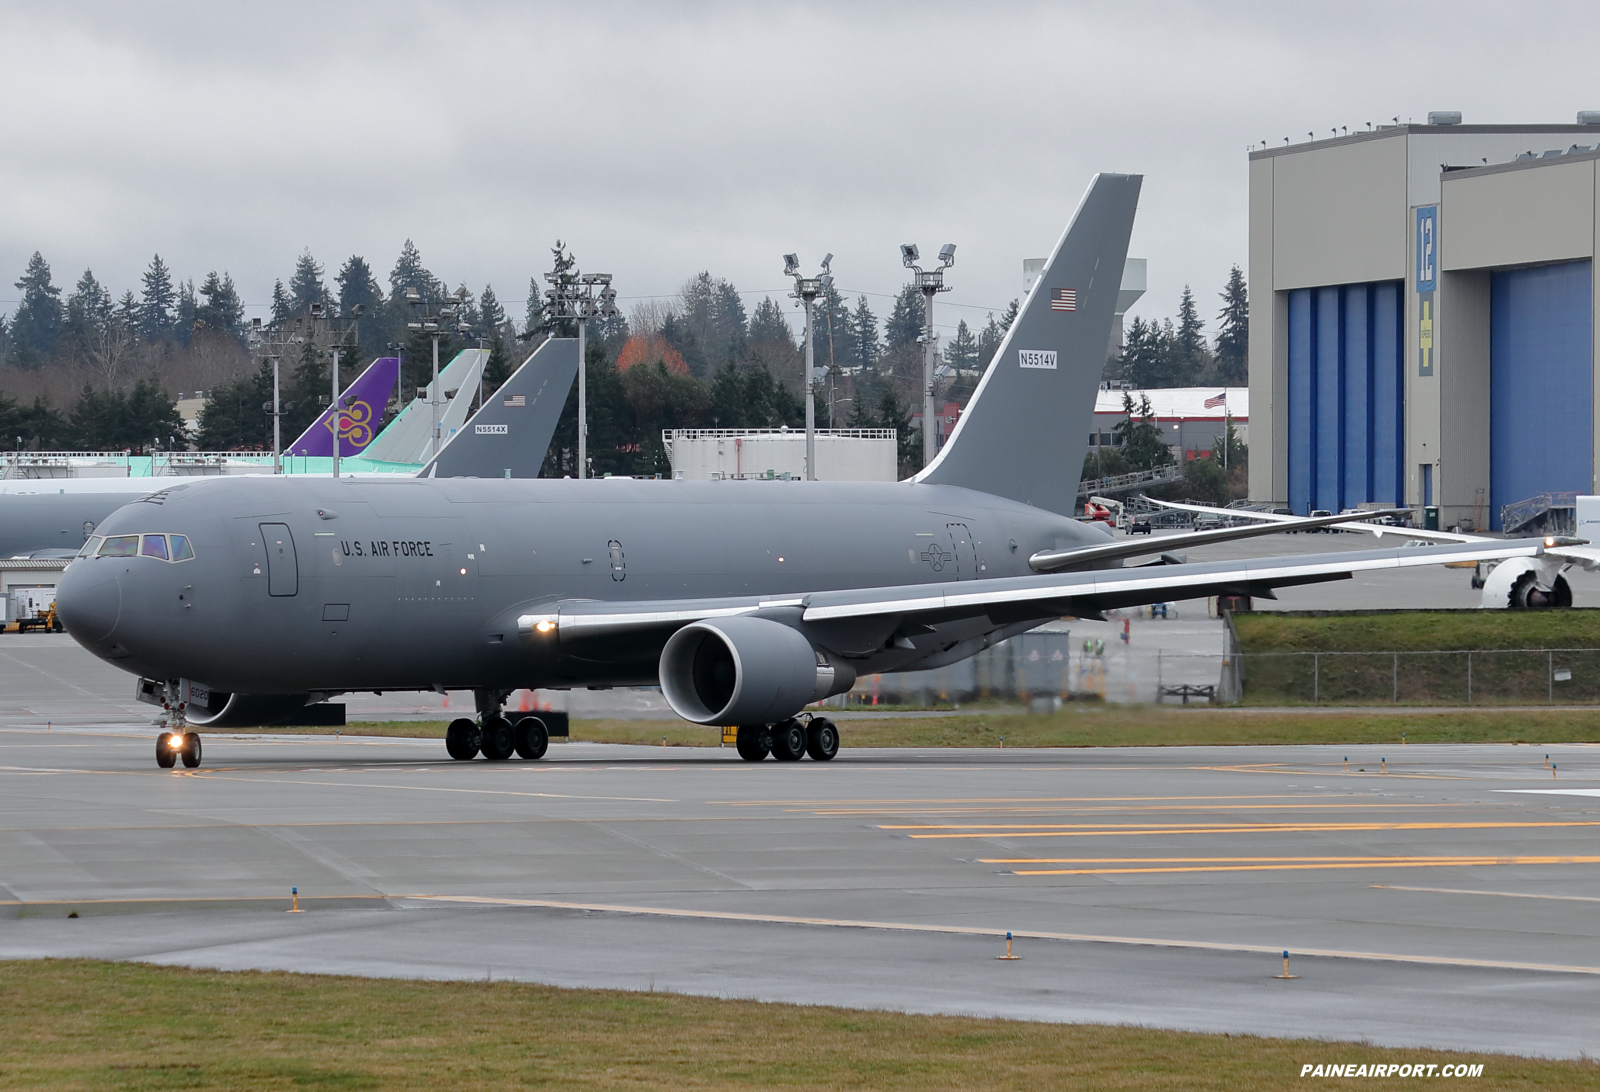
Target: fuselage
[[306, 585]]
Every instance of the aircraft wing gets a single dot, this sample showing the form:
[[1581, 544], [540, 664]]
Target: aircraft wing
[[1054, 561], [1572, 551], [1005, 600]]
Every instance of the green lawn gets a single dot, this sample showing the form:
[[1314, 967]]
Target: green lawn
[[1420, 657], [85, 1025]]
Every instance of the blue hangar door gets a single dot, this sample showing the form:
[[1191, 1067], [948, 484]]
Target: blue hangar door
[[1346, 396], [1541, 383]]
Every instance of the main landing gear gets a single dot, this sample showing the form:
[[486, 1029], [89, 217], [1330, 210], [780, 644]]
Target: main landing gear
[[495, 736], [789, 741]]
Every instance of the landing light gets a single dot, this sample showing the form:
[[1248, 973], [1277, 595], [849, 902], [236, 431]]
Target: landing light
[[545, 626], [175, 740], [463, 572]]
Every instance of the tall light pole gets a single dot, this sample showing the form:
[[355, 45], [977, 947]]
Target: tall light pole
[[259, 336], [432, 325], [806, 290], [336, 335], [930, 283], [581, 296]]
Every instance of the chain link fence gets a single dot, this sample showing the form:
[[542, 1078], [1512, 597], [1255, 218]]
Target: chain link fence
[[1498, 676]]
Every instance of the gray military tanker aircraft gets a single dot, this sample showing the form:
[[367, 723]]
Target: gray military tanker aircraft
[[241, 602]]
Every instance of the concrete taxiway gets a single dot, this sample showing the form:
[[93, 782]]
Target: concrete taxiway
[[1449, 901]]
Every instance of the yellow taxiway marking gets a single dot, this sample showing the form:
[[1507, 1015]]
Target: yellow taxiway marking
[[1498, 894], [1293, 864], [1024, 800], [959, 930], [956, 812], [1064, 831]]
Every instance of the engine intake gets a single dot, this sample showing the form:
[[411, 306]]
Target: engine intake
[[745, 671]]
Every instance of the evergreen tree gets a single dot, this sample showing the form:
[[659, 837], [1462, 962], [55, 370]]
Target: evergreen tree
[[408, 272], [1189, 353], [305, 286], [89, 310], [749, 397], [490, 313], [183, 320], [835, 332], [1009, 316], [151, 417], [676, 333], [39, 427], [1140, 437], [358, 288], [564, 268], [281, 308], [158, 302], [768, 324], [534, 320], [962, 351], [989, 339], [864, 326], [712, 313], [222, 309], [37, 322], [904, 325], [1233, 331], [660, 400], [234, 416], [308, 391]]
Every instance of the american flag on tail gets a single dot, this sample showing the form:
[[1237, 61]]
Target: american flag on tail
[[1064, 299], [1219, 400]]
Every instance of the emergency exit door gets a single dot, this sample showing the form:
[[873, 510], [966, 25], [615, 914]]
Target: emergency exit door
[[283, 568]]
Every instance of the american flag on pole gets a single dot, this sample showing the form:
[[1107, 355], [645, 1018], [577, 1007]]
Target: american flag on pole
[[1064, 299], [1221, 399]]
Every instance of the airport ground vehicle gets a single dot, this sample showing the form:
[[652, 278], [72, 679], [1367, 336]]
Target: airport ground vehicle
[[1140, 526]]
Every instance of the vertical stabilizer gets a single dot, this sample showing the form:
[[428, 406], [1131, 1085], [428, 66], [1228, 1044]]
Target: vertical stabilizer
[[509, 436], [408, 438], [360, 409], [1024, 432]]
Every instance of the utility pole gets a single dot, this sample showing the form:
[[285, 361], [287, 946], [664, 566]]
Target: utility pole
[[806, 291], [269, 336], [582, 296], [930, 283], [337, 335]]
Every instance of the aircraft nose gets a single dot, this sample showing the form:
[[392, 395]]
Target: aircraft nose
[[89, 601]]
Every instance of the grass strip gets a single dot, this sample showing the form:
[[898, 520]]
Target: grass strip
[[86, 1025], [1112, 726]]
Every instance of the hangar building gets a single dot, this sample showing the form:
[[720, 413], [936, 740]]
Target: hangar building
[[1422, 302]]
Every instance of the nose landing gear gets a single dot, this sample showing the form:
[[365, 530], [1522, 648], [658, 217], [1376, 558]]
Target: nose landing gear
[[175, 740]]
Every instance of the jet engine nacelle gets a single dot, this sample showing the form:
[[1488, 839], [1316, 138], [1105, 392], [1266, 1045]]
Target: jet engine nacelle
[[1527, 583], [745, 671]]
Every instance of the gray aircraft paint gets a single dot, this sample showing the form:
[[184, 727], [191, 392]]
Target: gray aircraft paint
[[510, 434], [1041, 387], [490, 584]]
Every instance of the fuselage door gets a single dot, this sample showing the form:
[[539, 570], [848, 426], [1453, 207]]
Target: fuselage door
[[961, 545], [283, 568]]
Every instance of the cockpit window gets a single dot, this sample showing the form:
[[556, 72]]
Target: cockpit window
[[159, 547], [119, 546]]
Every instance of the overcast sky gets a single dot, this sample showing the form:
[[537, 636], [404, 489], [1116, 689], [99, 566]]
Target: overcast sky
[[663, 138]]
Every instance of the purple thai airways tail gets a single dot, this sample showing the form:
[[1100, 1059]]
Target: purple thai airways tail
[[360, 410]]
